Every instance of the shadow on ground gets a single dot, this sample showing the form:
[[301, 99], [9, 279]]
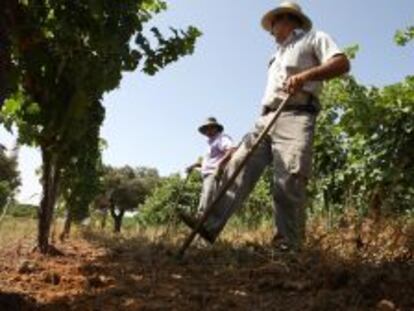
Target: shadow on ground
[[101, 272]]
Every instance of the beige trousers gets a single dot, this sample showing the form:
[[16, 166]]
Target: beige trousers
[[288, 148], [208, 191]]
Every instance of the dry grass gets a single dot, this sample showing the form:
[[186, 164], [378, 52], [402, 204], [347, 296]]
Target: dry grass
[[16, 231]]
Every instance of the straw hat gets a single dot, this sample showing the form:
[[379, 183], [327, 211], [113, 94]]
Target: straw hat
[[211, 121], [286, 7]]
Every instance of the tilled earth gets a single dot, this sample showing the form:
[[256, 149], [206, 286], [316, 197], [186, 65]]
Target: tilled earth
[[104, 272]]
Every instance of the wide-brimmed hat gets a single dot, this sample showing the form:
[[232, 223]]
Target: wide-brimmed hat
[[286, 7], [210, 122]]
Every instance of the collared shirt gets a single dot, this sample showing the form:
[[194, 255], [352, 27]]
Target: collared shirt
[[301, 51], [217, 148]]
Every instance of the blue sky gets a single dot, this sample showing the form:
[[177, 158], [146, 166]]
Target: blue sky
[[152, 121]]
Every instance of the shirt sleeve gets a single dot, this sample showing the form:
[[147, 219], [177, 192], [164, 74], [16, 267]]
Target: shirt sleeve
[[226, 143], [325, 47]]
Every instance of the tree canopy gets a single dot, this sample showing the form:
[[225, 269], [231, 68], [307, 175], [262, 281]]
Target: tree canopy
[[127, 188]]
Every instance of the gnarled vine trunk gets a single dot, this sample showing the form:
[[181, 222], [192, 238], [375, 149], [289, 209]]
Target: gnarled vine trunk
[[50, 184]]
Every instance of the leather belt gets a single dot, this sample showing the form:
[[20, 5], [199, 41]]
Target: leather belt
[[309, 108], [307, 104]]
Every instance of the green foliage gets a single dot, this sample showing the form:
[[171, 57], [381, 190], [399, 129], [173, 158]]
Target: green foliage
[[175, 193], [172, 193], [128, 187], [352, 51], [69, 53], [363, 147], [258, 207], [402, 37], [9, 177], [7, 84], [81, 178], [23, 211]]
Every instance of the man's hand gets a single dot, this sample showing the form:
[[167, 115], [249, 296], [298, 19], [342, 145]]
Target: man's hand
[[334, 67], [295, 83]]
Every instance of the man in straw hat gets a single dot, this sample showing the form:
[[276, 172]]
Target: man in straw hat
[[303, 60], [220, 148]]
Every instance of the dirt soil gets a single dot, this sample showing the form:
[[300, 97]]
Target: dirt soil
[[241, 272]]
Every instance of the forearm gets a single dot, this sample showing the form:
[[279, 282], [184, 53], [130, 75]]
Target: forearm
[[335, 67], [226, 157]]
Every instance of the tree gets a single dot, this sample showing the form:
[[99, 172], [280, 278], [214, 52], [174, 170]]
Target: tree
[[66, 54], [6, 24], [127, 188]]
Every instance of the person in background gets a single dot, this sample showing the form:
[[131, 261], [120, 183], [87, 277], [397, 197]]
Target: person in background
[[219, 151]]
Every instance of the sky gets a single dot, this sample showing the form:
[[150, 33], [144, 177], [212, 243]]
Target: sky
[[153, 121]]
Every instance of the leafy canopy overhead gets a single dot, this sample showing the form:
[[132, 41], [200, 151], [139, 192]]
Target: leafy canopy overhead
[[68, 53]]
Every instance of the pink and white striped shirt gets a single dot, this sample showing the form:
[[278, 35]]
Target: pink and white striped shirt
[[217, 148]]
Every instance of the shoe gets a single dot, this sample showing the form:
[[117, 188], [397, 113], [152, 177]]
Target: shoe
[[192, 222]]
